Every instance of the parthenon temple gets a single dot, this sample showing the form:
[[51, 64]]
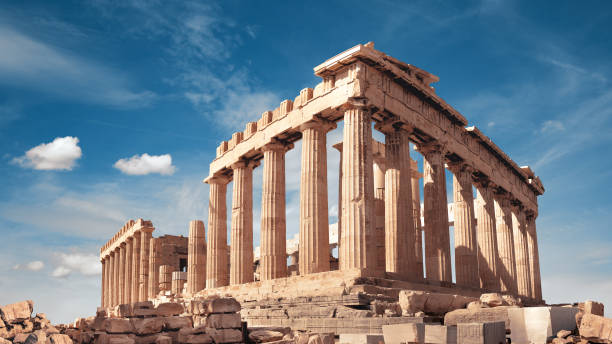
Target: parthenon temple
[[381, 235]]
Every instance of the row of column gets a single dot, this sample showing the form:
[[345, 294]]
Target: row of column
[[125, 271], [495, 241]]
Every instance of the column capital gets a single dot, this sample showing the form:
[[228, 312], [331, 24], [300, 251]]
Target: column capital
[[218, 179], [430, 147], [277, 145], [460, 166], [122, 245], [244, 163], [531, 214], [318, 123], [482, 180], [393, 124]]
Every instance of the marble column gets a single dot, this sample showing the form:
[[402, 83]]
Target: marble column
[[111, 279], [357, 245], [155, 255], [103, 299], [117, 283], [379, 211], [487, 237], [466, 249], [145, 243], [437, 236], [521, 251], [338, 146], [241, 249], [534, 257], [416, 216], [505, 242], [314, 219], [196, 257], [135, 267], [399, 223], [122, 263], [273, 261], [127, 286], [217, 274]]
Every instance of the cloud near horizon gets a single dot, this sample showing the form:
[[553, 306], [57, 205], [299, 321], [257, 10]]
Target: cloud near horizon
[[36, 265], [144, 164], [60, 154]]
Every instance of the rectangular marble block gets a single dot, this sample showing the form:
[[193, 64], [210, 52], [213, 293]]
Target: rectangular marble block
[[406, 333], [536, 324], [481, 333], [361, 338], [440, 334]]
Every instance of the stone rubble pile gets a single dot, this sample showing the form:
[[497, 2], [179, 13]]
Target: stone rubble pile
[[18, 326]]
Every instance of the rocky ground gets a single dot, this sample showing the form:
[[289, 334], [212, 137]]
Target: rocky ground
[[218, 320]]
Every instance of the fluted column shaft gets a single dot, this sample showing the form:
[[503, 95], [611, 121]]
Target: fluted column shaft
[[196, 257], [111, 279], [487, 237], [379, 211], [466, 249], [521, 251], [103, 299], [338, 146], [216, 253], [534, 257], [437, 237], [122, 281], [117, 284], [145, 243], [127, 285], [154, 263], [505, 243], [357, 245], [273, 260], [314, 217], [241, 254], [416, 216], [135, 267], [399, 224]]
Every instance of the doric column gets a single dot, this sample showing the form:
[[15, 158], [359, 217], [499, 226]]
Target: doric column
[[273, 261], [314, 219], [241, 254], [399, 223], [217, 274], [437, 237], [145, 243], [416, 216], [122, 263], [505, 242], [534, 257], [127, 285], [135, 267], [357, 245], [487, 236], [338, 146], [466, 249], [379, 211], [117, 284], [154, 263], [103, 299], [521, 251], [196, 257], [111, 279]]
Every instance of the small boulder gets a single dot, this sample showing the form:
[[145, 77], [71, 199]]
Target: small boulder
[[17, 312], [114, 325], [177, 322], [492, 300], [169, 308], [265, 336], [512, 301], [563, 333], [223, 305], [412, 301], [20, 338], [58, 339], [148, 326]]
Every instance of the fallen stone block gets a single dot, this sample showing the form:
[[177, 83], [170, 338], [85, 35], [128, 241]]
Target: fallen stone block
[[481, 333], [538, 324], [492, 300], [223, 305], [595, 328], [361, 338], [202, 338], [20, 338], [414, 301], [348, 312], [223, 320], [37, 337], [163, 340], [114, 325], [177, 322], [121, 340], [59, 339], [143, 305], [5, 341], [148, 325], [265, 336], [169, 308], [404, 333], [440, 334], [144, 312], [321, 338], [480, 315], [226, 335], [17, 312]]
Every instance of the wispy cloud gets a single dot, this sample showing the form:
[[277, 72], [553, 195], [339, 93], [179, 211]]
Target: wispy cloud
[[30, 266], [552, 126], [33, 64], [60, 154], [84, 264]]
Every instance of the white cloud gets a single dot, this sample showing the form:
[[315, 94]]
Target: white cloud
[[28, 62], [31, 266], [60, 154], [146, 164], [85, 264], [552, 126]]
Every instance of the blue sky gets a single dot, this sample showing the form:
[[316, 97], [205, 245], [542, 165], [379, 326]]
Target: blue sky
[[87, 86]]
